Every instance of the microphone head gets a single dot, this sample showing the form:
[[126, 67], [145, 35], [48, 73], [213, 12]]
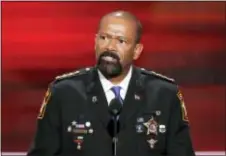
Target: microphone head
[[115, 107]]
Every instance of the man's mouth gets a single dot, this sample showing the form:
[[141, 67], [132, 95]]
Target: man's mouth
[[109, 59]]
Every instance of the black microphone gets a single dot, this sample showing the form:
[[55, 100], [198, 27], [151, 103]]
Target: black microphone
[[115, 109]]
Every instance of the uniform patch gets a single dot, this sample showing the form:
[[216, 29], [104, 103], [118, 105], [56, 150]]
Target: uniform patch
[[44, 104], [183, 107]]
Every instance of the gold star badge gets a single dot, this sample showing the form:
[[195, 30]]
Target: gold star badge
[[151, 126]]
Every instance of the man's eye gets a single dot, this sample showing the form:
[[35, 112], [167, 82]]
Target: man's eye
[[102, 37], [122, 41]]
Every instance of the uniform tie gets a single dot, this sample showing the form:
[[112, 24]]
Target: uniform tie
[[116, 91]]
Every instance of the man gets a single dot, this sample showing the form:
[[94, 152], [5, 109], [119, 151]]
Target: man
[[74, 118]]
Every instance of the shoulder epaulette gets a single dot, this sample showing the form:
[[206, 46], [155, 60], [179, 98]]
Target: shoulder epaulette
[[72, 74], [157, 75]]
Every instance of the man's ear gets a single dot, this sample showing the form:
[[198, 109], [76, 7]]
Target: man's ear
[[137, 51]]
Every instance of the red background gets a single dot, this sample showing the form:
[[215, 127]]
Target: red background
[[184, 40]]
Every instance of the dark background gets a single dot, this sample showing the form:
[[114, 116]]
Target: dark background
[[184, 40]]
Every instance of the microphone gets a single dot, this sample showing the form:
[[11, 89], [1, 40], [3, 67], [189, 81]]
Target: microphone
[[115, 109]]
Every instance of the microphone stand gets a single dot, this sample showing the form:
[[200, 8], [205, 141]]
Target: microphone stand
[[115, 109], [115, 138]]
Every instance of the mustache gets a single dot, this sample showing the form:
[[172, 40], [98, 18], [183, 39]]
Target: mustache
[[110, 54]]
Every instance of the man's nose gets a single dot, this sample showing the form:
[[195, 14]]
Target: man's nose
[[111, 45]]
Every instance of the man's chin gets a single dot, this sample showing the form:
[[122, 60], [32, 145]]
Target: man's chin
[[110, 72]]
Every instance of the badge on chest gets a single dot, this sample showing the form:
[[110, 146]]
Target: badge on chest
[[79, 130], [150, 127]]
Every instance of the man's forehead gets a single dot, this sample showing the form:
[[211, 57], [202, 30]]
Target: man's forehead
[[116, 29], [117, 24]]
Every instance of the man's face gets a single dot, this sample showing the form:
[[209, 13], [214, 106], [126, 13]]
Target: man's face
[[115, 45]]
